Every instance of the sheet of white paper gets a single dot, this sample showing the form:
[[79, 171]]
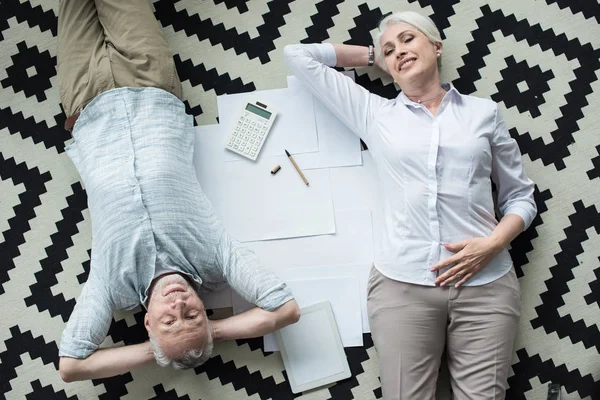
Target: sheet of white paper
[[358, 188], [344, 295], [357, 271], [338, 145], [219, 299], [294, 127], [313, 354], [255, 205], [352, 243]]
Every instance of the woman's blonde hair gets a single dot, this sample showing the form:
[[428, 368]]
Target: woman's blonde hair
[[421, 22]]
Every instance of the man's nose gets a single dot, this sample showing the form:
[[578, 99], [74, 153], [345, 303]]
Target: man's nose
[[178, 303]]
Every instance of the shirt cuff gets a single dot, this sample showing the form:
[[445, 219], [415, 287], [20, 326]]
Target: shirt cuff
[[523, 212], [275, 298], [327, 52], [76, 349]]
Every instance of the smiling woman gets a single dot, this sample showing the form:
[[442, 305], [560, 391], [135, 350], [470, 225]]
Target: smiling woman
[[409, 25], [442, 274]]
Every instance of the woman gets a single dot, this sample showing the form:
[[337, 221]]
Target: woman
[[442, 276]]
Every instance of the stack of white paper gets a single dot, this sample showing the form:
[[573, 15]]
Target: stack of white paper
[[255, 205], [319, 238], [358, 188], [352, 243]]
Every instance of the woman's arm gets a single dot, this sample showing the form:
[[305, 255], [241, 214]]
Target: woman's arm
[[104, 363], [515, 201], [472, 255], [351, 103]]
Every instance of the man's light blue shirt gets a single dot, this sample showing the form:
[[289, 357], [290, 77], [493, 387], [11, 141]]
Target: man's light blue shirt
[[134, 148]]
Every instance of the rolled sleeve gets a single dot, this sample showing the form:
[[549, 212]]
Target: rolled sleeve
[[253, 281], [515, 189], [88, 324]]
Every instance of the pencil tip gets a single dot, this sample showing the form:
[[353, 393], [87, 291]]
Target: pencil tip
[[287, 153]]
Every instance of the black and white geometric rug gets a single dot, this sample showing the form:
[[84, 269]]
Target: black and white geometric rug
[[540, 59]]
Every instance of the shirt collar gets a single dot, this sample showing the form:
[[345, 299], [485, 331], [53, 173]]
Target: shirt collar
[[448, 87], [196, 282]]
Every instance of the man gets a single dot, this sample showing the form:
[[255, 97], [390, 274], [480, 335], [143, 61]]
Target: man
[[156, 240]]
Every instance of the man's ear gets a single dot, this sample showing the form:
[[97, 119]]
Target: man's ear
[[147, 322]]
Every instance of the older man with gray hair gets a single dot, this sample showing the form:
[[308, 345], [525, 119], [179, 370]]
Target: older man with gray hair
[[156, 240]]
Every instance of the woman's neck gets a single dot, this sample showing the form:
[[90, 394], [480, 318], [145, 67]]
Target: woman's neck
[[429, 94]]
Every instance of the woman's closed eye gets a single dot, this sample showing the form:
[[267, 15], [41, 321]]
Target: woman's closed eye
[[388, 51], [408, 39], [191, 316]]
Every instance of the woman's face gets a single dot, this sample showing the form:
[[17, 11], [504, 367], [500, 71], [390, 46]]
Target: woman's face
[[408, 54]]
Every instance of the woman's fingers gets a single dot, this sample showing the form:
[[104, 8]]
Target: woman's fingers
[[452, 274], [464, 279]]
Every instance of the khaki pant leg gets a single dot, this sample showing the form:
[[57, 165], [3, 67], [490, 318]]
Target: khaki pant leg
[[83, 66], [483, 326], [139, 53], [408, 326]]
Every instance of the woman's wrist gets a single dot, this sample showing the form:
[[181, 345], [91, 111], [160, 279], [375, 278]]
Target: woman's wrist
[[496, 243], [351, 55]]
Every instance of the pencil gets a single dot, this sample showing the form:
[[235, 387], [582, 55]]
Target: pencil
[[297, 167]]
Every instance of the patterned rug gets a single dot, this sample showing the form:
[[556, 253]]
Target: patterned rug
[[540, 59]]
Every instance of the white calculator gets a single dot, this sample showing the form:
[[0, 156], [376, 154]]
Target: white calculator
[[250, 129]]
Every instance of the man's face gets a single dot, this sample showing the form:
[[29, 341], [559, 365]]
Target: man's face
[[176, 316]]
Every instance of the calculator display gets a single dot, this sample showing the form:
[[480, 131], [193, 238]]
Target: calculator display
[[258, 111]]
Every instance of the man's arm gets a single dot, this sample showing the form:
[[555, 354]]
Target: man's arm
[[104, 363], [255, 322]]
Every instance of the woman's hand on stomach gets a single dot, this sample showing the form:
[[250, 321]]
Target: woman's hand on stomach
[[472, 255]]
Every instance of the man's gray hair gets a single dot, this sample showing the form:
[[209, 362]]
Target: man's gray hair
[[421, 22], [190, 359]]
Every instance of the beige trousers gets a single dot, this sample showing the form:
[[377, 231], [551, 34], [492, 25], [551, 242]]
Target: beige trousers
[[105, 44], [412, 324]]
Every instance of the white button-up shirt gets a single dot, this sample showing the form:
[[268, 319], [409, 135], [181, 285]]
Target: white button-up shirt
[[435, 171]]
